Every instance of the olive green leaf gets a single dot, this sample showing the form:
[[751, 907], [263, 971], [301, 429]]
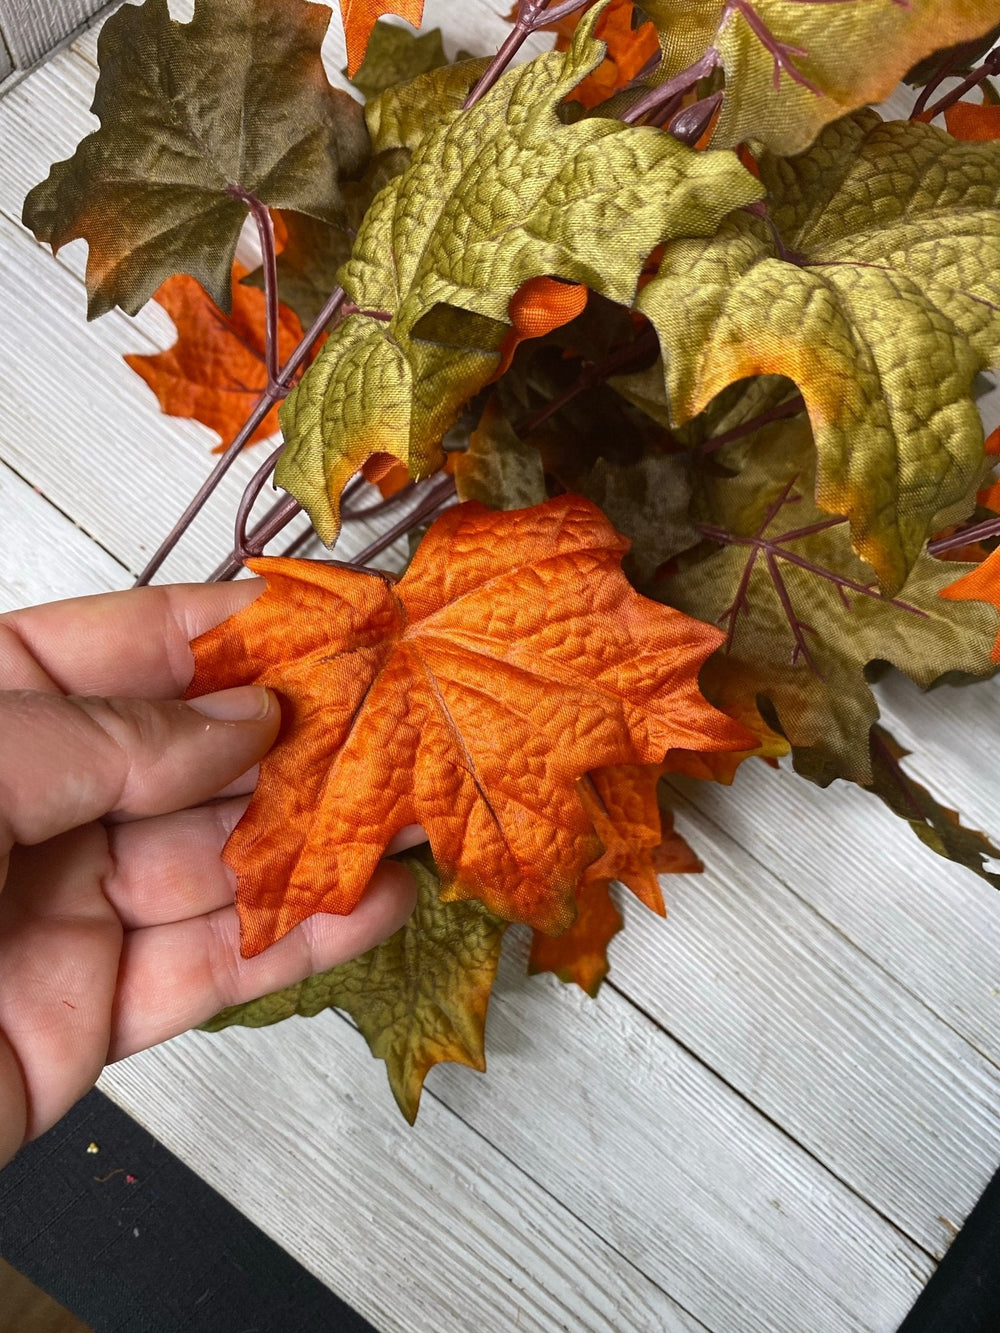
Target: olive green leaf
[[315, 251], [648, 502], [874, 284], [405, 113], [419, 998], [195, 117], [494, 195], [803, 615], [935, 825], [396, 55], [498, 468], [792, 67]]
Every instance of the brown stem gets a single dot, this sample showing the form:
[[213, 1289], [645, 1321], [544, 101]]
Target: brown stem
[[531, 16], [437, 494], [630, 356], [979, 532], [991, 65], [269, 257], [654, 99], [272, 394], [791, 408], [242, 548]]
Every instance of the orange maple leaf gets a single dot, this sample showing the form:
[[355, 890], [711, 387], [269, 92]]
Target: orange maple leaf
[[973, 121], [629, 50], [360, 17], [639, 842], [215, 371], [512, 658], [981, 584]]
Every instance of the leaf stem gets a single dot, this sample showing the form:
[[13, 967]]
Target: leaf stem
[[790, 408], [991, 65], [437, 495], [655, 98], [531, 15], [990, 527], [272, 394], [261, 215]]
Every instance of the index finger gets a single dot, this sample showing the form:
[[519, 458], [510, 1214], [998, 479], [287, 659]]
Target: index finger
[[133, 643]]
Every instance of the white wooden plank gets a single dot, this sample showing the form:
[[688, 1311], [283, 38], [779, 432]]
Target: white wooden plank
[[817, 1036], [44, 556], [431, 1229], [644, 1145], [32, 29], [932, 925]]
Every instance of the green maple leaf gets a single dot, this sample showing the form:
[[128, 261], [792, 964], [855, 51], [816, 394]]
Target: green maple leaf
[[397, 55], [405, 113], [315, 251], [937, 826], [195, 117], [499, 469], [494, 196], [874, 284], [791, 67], [803, 615], [419, 998]]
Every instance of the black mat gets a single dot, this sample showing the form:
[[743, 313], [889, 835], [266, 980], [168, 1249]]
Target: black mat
[[963, 1296], [132, 1241]]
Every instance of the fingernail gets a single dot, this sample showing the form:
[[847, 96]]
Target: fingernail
[[247, 703]]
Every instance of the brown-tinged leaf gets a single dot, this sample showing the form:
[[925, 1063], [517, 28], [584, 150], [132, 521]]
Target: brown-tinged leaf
[[216, 371], [498, 469], [512, 658], [194, 117], [792, 67], [419, 998], [802, 613], [935, 825], [395, 55]]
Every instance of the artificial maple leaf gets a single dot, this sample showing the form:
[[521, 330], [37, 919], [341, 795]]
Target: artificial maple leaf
[[404, 114], [498, 469], [419, 998], [873, 284], [630, 46], [793, 67], [360, 17], [639, 842], [802, 613], [973, 122], [394, 55], [512, 658], [313, 251], [579, 956], [494, 196], [935, 825], [194, 118], [216, 371]]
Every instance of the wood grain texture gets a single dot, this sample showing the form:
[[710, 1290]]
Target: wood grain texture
[[32, 28], [769, 1126]]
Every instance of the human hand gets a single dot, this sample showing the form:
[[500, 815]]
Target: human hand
[[117, 924]]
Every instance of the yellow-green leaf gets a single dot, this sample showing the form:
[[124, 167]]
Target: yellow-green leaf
[[792, 66], [396, 55], [195, 116], [874, 284], [419, 998], [494, 196]]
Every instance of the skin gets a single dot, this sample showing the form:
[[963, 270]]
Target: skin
[[117, 923]]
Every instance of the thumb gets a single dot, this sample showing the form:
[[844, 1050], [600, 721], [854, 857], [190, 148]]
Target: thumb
[[65, 761]]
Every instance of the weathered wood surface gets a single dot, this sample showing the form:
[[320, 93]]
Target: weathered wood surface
[[773, 1120], [32, 28]]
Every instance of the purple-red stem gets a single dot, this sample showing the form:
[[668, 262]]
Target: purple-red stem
[[531, 16], [989, 66], [271, 395], [990, 527], [653, 100], [269, 259]]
